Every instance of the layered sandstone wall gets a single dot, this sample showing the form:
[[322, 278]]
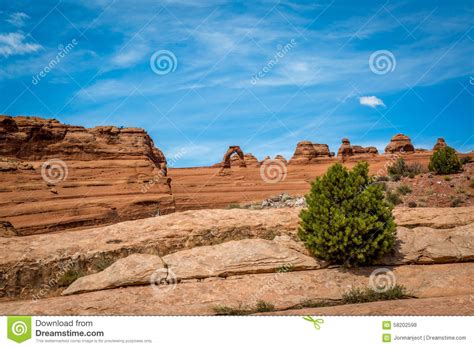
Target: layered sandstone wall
[[57, 176]]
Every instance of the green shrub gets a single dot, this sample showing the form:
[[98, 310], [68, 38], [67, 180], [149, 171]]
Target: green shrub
[[401, 169], [260, 307], [445, 161], [412, 204], [370, 295], [348, 220], [234, 206], [395, 177], [394, 198], [382, 178], [228, 310], [68, 277], [471, 185], [263, 306], [456, 202], [446, 178], [404, 189]]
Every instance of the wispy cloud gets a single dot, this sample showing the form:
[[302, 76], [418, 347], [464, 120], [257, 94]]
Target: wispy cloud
[[371, 101], [14, 44], [17, 19]]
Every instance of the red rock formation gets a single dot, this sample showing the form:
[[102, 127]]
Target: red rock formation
[[281, 158], [359, 150], [400, 143], [34, 138], [346, 149], [440, 143], [267, 158], [57, 176], [226, 161], [307, 152], [250, 160]]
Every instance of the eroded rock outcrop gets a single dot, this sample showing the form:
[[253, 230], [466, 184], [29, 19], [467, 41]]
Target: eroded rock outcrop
[[56, 176], [284, 290], [348, 150], [429, 235], [440, 144], [281, 158], [136, 269], [233, 149], [249, 160], [308, 152], [246, 256], [400, 143]]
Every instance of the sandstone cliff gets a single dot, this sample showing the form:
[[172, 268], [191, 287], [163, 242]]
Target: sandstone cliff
[[57, 176], [308, 152]]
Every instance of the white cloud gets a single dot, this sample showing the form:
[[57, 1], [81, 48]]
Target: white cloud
[[371, 101], [18, 19], [13, 44]]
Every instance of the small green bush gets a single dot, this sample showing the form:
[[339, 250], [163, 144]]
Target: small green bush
[[68, 277], [404, 189], [445, 161], [471, 185], [260, 307], [348, 220], [456, 202], [395, 177], [401, 169], [263, 306], [447, 178], [394, 198], [412, 204], [370, 295], [234, 206]]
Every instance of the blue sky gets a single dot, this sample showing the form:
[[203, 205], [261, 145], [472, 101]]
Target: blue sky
[[259, 74]]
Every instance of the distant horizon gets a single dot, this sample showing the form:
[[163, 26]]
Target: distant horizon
[[176, 159], [199, 76]]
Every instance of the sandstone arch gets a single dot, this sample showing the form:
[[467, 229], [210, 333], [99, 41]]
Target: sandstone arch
[[233, 149]]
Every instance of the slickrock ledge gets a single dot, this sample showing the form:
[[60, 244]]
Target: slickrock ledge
[[450, 305], [29, 260], [283, 290], [246, 256]]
